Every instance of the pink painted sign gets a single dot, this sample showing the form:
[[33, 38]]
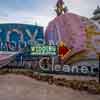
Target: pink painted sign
[[68, 28]]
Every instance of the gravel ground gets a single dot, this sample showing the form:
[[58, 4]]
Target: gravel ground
[[18, 87]]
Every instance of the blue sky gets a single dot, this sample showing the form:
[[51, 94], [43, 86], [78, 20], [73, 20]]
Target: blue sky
[[41, 11]]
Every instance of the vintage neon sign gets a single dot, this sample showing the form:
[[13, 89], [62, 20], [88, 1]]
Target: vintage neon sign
[[44, 50]]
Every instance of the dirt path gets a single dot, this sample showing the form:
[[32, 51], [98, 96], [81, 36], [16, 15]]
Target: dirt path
[[17, 87]]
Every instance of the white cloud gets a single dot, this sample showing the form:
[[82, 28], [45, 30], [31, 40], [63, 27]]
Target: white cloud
[[32, 11]]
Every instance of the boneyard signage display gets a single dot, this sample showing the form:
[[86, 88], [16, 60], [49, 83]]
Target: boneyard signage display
[[84, 68]]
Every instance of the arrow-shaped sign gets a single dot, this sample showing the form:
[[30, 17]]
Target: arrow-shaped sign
[[63, 51]]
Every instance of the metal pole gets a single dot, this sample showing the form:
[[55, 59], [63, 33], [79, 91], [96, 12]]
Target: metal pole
[[99, 67]]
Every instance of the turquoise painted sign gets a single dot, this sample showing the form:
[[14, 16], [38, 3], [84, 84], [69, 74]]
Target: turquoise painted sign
[[14, 37]]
